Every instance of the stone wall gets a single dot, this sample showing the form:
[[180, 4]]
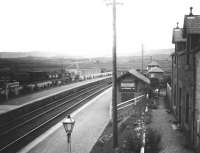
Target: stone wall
[[197, 98], [183, 91]]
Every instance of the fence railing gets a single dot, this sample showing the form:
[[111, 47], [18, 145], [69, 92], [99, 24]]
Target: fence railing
[[129, 102]]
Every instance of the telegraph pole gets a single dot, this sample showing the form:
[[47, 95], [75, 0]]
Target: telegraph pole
[[114, 80], [114, 77]]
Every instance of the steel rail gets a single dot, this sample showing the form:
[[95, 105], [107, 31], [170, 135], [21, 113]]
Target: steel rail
[[41, 108], [43, 113]]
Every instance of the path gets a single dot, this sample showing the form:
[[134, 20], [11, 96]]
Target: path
[[172, 140]]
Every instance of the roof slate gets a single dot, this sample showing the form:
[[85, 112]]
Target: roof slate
[[138, 75], [178, 35], [192, 24]]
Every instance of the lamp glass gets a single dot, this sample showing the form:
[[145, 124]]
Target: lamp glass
[[68, 125]]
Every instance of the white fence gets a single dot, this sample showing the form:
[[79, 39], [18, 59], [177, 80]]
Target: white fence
[[134, 102], [125, 104], [129, 102]]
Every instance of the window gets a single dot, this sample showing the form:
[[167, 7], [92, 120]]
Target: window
[[187, 108], [187, 58], [174, 59]]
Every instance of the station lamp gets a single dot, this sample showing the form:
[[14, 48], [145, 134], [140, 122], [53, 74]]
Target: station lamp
[[68, 124]]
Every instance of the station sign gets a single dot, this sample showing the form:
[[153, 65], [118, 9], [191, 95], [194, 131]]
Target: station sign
[[127, 85]]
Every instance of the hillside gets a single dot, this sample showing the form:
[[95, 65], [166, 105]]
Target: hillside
[[53, 64], [129, 62]]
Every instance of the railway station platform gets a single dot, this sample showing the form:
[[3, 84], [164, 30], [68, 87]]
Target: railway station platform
[[12, 104], [90, 121]]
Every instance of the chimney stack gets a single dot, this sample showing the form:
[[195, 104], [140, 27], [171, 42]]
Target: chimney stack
[[177, 27], [191, 14]]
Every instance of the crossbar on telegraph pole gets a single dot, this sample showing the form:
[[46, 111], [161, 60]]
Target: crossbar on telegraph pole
[[114, 81]]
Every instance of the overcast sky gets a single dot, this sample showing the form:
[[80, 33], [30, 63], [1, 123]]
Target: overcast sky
[[84, 27]]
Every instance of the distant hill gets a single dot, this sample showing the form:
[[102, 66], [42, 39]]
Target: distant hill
[[24, 54], [159, 51], [36, 54], [130, 62], [24, 61]]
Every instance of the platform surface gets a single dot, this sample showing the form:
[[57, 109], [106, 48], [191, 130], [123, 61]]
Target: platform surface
[[5, 108]]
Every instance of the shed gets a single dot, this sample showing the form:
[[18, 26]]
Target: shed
[[131, 84]]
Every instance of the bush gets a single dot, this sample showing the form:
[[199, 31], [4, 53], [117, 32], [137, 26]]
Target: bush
[[148, 117], [132, 143]]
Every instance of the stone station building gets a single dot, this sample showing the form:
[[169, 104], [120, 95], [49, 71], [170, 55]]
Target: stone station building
[[185, 102]]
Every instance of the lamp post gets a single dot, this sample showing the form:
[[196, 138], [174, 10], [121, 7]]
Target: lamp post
[[68, 124]]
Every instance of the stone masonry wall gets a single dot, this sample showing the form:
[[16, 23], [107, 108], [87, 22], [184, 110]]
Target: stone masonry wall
[[197, 98]]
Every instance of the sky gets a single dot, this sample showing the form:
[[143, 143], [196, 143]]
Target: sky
[[84, 27]]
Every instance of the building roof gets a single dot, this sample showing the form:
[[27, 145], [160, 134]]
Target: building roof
[[155, 70], [192, 24], [178, 35], [137, 75], [153, 63]]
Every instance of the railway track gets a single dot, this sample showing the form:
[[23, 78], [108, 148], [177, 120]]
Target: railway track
[[21, 130]]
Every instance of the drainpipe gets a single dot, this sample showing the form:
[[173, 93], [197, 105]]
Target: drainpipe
[[194, 96], [172, 85], [177, 87]]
